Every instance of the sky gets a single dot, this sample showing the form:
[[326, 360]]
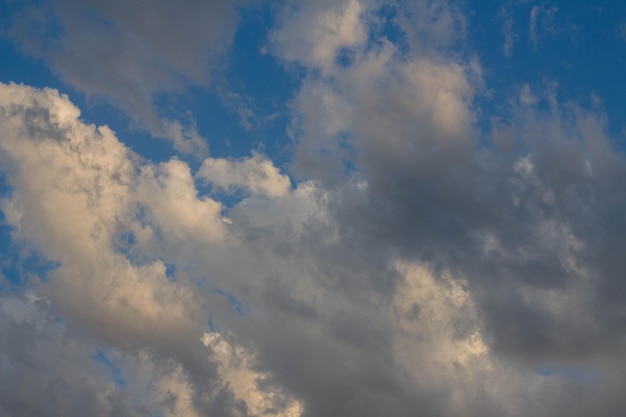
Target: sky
[[312, 208]]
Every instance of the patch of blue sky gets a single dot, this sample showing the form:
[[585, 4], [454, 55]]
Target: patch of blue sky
[[18, 262], [211, 325], [568, 47], [262, 74], [384, 25], [235, 302], [345, 56], [247, 108], [124, 244], [170, 271], [139, 140], [256, 87], [219, 126], [577, 374], [116, 372], [22, 69]]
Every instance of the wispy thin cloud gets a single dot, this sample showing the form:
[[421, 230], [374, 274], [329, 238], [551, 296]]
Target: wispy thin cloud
[[541, 23]]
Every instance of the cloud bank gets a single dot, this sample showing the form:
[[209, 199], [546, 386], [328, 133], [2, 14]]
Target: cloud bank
[[409, 259]]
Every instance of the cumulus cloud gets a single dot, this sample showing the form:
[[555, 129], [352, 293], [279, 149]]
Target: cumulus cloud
[[73, 205], [313, 32], [76, 191], [256, 174], [420, 264]]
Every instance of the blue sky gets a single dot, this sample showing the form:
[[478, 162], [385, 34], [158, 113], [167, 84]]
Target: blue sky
[[312, 208]]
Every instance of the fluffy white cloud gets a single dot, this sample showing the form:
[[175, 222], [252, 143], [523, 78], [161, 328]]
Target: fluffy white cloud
[[74, 187], [236, 365], [168, 192], [386, 108], [313, 33], [256, 174], [76, 191]]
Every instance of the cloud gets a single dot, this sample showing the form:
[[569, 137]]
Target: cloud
[[433, 193], [76, 191], [168, 192], [130, 54], [74, 204], [431, 26], [541, 23], [256, 174], [418, 265], [510, 37], [313, 32], [236, 366], [46, 371]]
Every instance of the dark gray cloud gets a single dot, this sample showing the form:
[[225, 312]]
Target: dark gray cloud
[[44, 371], [538, 217]]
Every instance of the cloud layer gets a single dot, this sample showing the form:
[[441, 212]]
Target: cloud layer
[[422, 254]]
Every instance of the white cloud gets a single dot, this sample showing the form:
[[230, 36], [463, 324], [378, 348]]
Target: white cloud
[[439, 337], [313, 32], [185, 139], [385, 107], [256, 175], [168, 192], [76, 190], [236, 366]]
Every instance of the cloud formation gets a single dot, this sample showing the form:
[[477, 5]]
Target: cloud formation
[[541, 23], [255, 174], [130, 54], [432, 256], [76, 192]]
